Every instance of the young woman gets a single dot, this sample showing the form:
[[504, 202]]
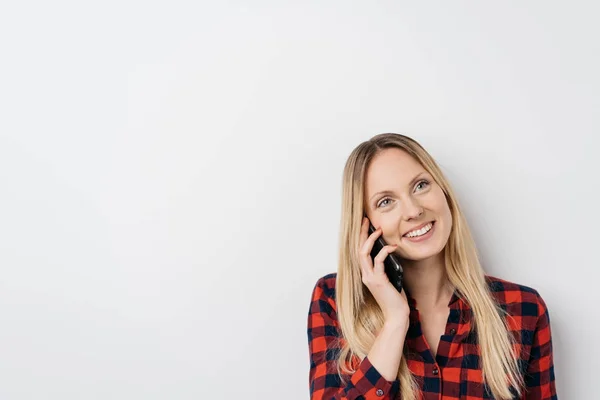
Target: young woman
[[453, 332]]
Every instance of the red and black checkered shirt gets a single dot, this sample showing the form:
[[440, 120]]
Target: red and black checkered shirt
[[454, 372]]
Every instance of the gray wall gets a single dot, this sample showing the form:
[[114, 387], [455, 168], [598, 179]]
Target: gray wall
[[170, 177]]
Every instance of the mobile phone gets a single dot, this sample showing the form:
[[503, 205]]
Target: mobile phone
[[393, 269]]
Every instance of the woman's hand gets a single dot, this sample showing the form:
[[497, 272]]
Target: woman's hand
[[393, 304]]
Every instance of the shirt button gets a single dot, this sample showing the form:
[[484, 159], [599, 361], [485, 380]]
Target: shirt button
[[379, 392], [435, 370], [452, 331]]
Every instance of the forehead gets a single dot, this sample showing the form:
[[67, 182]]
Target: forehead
[[389, 169]]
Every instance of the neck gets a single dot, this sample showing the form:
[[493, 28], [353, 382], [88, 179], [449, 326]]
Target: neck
[[427, 282]]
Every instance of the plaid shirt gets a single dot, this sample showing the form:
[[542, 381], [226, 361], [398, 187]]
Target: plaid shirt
[[453, 373]]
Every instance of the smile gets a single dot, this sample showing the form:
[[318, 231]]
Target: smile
[[422, 234]]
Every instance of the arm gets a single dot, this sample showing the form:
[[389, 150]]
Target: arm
[[539, 379], [323, 341]]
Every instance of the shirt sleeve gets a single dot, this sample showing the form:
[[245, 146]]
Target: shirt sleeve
[[323, 343], [539, 379]]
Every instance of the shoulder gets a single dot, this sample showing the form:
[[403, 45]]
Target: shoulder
[[325, 286], [511, 290], [323, 294], [524, 300], [327, 282]]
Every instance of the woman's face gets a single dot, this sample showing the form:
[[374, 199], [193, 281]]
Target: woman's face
[[400, 195]]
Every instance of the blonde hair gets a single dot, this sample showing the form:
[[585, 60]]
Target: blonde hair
[[359, 314]]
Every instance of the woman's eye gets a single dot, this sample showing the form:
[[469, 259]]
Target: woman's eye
[[381, 202], [425, 182]]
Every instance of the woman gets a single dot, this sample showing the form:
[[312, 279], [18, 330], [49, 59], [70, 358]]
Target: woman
[[453, 332]]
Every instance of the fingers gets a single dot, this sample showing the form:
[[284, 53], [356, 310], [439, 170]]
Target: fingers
[[366, 239], [366, 263], [379, 266]]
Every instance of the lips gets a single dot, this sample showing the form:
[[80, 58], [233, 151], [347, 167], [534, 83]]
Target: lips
[[419, 227]]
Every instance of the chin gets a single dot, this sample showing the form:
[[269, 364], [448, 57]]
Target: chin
[[421, 257], [424, 253]]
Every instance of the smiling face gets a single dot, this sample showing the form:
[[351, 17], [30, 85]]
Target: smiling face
[[400, 195]]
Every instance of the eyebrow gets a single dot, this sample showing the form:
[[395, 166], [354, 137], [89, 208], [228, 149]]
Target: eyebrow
[[391, 192]]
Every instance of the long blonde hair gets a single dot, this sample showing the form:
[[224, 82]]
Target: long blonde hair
[[359, 314]]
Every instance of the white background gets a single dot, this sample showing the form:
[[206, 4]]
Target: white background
[[170, 177]]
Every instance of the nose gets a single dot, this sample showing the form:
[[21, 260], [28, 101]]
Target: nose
[[412, 210]]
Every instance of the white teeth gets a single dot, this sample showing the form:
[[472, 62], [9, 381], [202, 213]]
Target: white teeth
[[420, 232]]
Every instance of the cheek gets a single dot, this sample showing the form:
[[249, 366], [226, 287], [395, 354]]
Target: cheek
[[439, 204], [447, 217], [443, 211], [446, 211]]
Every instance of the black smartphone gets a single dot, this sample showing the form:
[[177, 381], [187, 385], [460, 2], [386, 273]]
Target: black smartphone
[[393, 269]]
